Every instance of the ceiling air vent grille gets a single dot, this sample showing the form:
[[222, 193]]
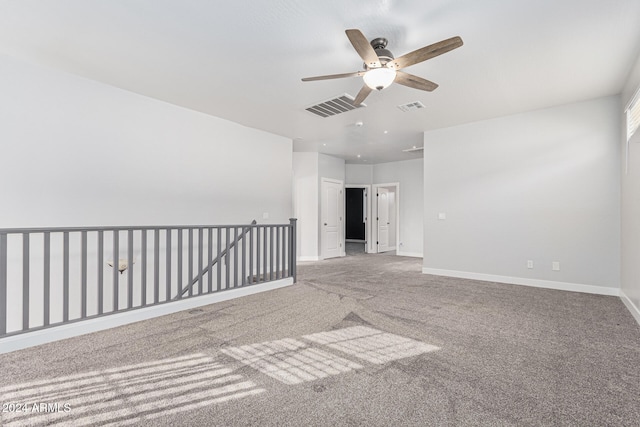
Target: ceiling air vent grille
[[331, 107], [411, 106]]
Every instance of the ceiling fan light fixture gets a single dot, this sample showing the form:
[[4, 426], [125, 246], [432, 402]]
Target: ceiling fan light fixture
[[380, 65], [379, 78]]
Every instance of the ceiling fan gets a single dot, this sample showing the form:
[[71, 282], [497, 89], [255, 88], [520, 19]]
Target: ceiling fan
[[381, 68]]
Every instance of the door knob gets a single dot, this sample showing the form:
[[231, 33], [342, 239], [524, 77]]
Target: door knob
[[325, 223]]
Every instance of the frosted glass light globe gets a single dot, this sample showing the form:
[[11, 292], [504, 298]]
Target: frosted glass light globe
[[379, 78]]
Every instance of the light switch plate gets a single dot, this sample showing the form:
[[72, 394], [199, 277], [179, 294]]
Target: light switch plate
[[442, 215]]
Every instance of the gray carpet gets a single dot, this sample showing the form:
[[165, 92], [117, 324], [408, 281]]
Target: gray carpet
[[362, 340]]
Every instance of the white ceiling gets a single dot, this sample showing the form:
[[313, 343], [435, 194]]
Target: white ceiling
[[243, 59]]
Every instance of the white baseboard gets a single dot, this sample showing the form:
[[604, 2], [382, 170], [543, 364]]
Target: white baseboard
[[43, 336], [549, 284], [411, 254], [308, 258], [635, 311]]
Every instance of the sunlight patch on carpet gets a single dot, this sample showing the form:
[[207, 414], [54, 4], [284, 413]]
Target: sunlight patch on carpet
[[290, 362], [126, 394], [370, 344]]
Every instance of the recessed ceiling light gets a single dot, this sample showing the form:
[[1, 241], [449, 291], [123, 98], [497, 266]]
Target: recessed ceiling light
[[324, 145], [386, 131], [358, 155]]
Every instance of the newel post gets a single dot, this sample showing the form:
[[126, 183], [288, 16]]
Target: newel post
[[292, 248]]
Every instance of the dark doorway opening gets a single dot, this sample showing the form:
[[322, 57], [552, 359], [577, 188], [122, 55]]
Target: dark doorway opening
[[355, 215]]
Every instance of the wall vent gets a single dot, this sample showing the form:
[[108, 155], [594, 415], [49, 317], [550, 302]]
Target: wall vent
[[334, 106], [411, 106]]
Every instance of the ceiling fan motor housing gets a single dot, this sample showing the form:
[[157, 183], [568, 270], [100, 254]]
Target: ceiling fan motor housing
[[379, 45]]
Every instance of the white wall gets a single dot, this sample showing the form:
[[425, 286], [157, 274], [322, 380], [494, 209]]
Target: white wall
[[359, 174], [409, 173], [77, 152], [630, 269], [331, 167], [307, 193], [80, 153], [541, 186]]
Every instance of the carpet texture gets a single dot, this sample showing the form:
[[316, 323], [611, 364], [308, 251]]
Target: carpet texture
[[362, 340]]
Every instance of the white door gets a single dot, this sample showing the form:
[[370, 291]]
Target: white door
[[383, 219], [331, 219]]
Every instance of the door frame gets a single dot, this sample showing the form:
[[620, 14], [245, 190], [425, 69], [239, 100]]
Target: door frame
[[374, 208], [341, 208], [367, 223]]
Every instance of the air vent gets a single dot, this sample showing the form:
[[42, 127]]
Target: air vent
[[331, 107], [411, 106]]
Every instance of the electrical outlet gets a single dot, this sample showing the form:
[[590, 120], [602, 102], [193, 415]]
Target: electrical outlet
[[529, 264], [555, 266]]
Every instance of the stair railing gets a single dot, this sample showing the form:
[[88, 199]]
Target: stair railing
[[54, 276], [208, 268]]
